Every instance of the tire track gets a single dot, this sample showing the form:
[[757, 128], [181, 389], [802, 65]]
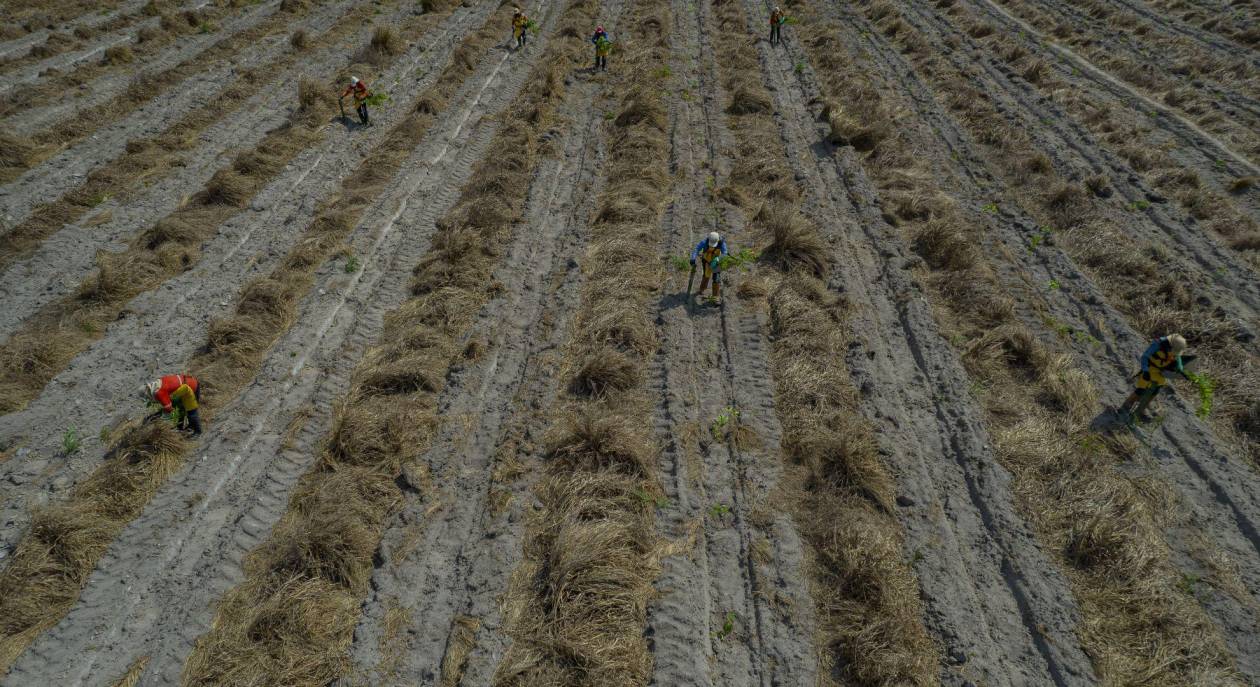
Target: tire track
[[134, 347], [1078, 305], [457, 565], [1026, 632], [205, 532], [773, 642], [40, 114], [62, 258]]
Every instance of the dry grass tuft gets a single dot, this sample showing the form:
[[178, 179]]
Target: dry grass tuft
[[310, 95], [794, 243], [604, 371], [119, 54], [298, 40]]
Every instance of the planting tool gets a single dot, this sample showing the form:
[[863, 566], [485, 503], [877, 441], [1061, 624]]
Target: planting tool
[[342, 107]]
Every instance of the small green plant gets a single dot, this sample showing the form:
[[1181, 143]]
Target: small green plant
[[723, 419], [87, 326], [376, 100], [728, 626], [1092, 444], [719, 510], [735, 261], [918, 556], [680, 263], [685, 94], [663, 73], [1053, 285], [1207, 388], [70, 441], [1085, 338], [99, 198], [645, 497], [352, 264], [206, 27], [1138, 205], [609, 116], [104, 435], [799, 67], [990, 208], [1041, 236], [1187, 582]]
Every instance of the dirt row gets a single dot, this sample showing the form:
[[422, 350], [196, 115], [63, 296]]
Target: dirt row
[[42, 132], [1068, 322], [31, 17], [115, 165], [1232, 21], [313, 338], [229, 349], [18, 38], [371, 448]]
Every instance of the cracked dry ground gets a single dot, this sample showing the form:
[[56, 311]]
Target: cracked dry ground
[[464, 426]]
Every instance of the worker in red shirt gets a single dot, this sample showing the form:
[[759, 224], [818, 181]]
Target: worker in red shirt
[[360, 92], [179, 397]]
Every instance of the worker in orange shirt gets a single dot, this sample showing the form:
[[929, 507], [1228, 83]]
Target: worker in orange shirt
[[360, 92], [179, 397]]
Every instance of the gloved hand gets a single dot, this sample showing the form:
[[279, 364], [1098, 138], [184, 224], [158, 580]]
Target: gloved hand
[[713, 265], [1146, 375]]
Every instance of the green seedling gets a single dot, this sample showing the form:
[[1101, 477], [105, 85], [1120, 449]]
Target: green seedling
[[1085, 338], [1053, 285], [990, 208], [1187, 582], [680, 263], [799, 68], [918, 556], [737, 260], [1207, 388], [719, 510], [710, 182], [1091, 444], [609, 116], [723, 419], [685, 94], [87, 327], [644, 497], [663, 73], [206, 27], [1042, 235], [376, 100], [1138, 205], [104, 435], [352, 264], [99, 198], [728, 626], [70, 441]]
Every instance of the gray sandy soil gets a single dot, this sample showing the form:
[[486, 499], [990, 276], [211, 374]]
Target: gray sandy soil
[[37, 118], [1215, 486], [89, 20], [745, 558], [202, 523], [448, 553], [69, 167], [96, 46], [65, 258], [99, 383]]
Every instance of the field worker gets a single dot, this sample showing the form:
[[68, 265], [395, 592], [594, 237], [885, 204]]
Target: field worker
[[519, 25], [710, 251], [1163, 353], [603, 46], [179, 397], [360, 92], [777, 19]]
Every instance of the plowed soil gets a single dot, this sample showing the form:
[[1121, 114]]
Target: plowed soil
[[466, 426]]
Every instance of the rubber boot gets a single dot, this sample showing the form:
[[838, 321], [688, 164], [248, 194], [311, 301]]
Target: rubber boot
[[717, 293], [363, 115], [704, 284], [1140, 411], [194, 420]]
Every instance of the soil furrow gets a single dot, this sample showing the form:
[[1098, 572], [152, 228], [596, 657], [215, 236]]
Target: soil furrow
[[445, 558], [1221, 98], [1073, 308], [1220, 316], [202, 519], [1233, 21], [112, 372], [28, 16], [575, 606], [120, 76], [716, 361], [43, 132], [269, 319], [404, 375], [102, 174], [172, 248], [63, 49], [38, 33]]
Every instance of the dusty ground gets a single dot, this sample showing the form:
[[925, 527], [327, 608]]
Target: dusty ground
[[889, 457]]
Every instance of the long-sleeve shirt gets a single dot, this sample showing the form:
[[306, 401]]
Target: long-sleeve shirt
[[182, 388], [703, 248], [1160, 354], [359, 90]]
